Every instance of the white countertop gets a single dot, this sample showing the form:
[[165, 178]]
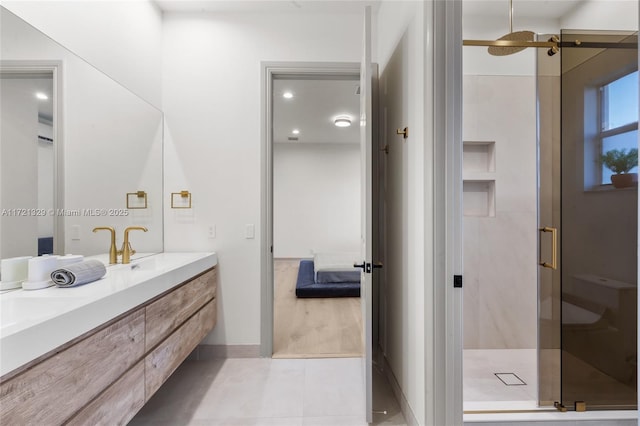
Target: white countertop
[[35, 322]]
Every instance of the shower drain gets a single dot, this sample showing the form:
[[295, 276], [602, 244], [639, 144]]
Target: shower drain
[[510, 379]]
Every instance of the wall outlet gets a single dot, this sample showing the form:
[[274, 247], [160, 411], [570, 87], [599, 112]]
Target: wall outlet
[[211, 231]]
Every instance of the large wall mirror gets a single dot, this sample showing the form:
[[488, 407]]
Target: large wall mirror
[[73, 144]]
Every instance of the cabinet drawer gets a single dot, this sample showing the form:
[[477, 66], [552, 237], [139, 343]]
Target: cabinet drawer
[[163, 360], [118, 404], [53, 390], [169, 312]]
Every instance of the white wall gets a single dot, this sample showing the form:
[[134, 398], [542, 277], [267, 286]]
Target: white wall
[[316, 192], [121, 38], [408, 256], [603, 15], [212, 104]]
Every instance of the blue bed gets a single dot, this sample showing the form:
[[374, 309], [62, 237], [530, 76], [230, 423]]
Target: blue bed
[[45, 245], [306, 285]]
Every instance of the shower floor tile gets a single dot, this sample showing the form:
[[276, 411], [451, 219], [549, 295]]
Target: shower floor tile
[[481, 385]]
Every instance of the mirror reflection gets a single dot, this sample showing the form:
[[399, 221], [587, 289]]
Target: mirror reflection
[[69, 161], [26, 133]]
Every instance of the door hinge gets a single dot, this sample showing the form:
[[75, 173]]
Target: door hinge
[[457, 281]]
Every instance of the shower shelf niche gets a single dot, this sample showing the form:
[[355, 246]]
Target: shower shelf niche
[[478, 174], [479, 198], [478, 157]]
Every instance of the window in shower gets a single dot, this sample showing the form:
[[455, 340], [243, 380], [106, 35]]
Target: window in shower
[[618, 119]]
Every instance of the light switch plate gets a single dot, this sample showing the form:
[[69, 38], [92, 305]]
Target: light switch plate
[[250, 231], [75, 232]]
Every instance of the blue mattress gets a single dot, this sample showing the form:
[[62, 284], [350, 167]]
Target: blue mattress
[[45, 245], [338, 276], [307, 287]]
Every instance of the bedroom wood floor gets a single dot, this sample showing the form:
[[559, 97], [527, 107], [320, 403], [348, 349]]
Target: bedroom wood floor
[[314, 327]]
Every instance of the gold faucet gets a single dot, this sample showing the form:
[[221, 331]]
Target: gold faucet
[[113, 251], [127, 251]]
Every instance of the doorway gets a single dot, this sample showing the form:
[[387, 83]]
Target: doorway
[[366, 121], [316, 216], [31, 130]]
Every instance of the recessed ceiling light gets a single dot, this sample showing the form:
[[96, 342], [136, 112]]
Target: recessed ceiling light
[[287, 95], [295, 131], [342, 121], [41, 96]]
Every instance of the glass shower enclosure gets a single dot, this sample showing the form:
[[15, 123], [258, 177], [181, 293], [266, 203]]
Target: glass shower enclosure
[[587, 289]]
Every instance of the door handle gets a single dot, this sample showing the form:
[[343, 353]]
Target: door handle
[[554, 242], [365, 266]]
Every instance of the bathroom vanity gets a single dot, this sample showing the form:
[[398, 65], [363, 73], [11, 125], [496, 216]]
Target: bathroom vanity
[[95, 354]]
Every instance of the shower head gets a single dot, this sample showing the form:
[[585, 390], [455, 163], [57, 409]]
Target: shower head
[[510, 50], [512, 36]]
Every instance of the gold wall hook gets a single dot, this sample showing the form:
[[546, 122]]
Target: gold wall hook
[[404, 132]]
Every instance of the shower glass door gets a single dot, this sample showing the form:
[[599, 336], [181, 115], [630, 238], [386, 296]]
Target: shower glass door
[[599, 80], [588, 303]]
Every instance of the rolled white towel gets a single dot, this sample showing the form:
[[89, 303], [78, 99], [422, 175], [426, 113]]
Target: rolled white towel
[[79, 273]]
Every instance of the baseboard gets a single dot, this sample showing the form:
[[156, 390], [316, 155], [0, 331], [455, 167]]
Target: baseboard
[[210, 352], [397, 391], [542, 418]]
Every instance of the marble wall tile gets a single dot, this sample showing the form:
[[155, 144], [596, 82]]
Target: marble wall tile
[[500, 252]]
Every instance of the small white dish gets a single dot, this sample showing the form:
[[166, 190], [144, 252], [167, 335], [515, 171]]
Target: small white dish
[[36, 285]]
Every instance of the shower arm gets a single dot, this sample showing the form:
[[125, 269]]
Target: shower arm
[[552, 43], [510, 16], [510, 43]]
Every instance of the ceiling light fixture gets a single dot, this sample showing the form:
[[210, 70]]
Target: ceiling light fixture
[[41, 96], [287, 95], [342, 121], [295, 131]]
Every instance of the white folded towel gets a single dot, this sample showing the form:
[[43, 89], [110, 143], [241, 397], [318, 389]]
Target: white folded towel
[[79, 273]]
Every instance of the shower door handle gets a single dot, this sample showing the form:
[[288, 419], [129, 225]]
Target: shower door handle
[[554, 253]]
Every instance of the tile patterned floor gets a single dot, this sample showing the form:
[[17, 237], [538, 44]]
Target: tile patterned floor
[[262, 391]]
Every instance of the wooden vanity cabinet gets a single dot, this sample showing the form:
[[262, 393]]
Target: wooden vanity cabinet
[[106, 376]]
